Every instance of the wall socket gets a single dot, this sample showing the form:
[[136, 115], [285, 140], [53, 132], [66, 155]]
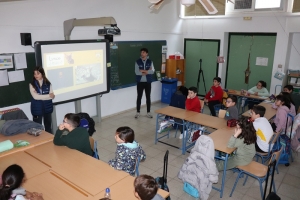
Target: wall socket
[[280, 66], [247, 18]]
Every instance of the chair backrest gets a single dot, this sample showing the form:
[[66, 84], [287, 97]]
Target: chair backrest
[[137, 164], [222, 113], [92, 143], [275, 138], [202, 105], [275, 156]]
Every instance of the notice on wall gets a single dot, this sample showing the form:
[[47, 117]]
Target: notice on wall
[[164, 49], [261, 61], [3, 78], [20, 61], [6, 62], [16, 76]]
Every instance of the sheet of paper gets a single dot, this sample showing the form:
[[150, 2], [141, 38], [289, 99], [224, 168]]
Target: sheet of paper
[[20, 61], [3, 78], [164, 49], [6, 62], [261, 61], [16, 76]]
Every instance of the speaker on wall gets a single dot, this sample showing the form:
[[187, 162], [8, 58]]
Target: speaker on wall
[[26, 39]]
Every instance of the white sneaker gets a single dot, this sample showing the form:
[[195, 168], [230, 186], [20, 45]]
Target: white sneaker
[[149, 115], [137, 115], [181, 136]]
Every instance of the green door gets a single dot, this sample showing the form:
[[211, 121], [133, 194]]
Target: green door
[[207, 51], [263, 47]]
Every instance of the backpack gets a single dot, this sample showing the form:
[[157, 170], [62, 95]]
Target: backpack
[[91, 122]]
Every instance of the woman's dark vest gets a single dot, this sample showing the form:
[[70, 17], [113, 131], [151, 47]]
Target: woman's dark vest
[[40, 107]]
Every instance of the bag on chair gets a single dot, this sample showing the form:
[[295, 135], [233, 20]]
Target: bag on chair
[[162, 181]]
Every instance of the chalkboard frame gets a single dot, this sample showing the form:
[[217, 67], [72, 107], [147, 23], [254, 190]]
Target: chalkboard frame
[[38, 57]]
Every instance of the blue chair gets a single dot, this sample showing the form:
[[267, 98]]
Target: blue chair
[[137, 164], [257, 171], [217, 108], [94, 148], [265, 156]]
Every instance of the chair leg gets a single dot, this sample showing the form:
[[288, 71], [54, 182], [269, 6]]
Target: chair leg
[[236, 181], [261, 189], [245, 179]]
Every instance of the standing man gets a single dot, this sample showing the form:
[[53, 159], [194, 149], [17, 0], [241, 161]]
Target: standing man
[[144, 70]]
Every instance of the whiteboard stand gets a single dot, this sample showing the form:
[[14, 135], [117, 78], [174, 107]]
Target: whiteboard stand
[[54, 120], [77, 106], [98, 107]]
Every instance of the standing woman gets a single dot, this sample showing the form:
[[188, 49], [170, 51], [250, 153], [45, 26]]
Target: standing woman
[[42, 94]]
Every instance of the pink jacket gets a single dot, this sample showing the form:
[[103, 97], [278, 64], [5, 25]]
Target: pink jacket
[[281, 116], [292, 109]]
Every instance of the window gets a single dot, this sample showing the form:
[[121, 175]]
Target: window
[[267, 4]]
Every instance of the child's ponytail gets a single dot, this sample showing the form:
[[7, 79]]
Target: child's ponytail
[[248, 131], [5, 192]]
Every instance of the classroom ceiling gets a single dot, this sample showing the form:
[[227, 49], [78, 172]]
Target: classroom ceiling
[[9, 0]]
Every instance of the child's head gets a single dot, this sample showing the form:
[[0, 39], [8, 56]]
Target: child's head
[[12, 178], [145, 187], [248, 131], [261, 84], [231, 101], [193, 92], [288, 88], [71, 120], [217, 81], [282, 100], [124, 134], [257, 112], [288, 96]]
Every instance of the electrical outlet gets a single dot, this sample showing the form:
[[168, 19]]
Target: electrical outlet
[[247, 18], [279, 66]]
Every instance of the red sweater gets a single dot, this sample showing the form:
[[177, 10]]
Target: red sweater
[[193, 104], [215, 93]]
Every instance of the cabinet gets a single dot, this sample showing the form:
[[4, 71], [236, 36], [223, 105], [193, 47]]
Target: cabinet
[[176, 69], [295, 84]]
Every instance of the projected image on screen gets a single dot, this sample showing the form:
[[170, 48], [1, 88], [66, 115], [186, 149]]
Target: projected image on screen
[[75, 69], [63, 77], [87, 73]]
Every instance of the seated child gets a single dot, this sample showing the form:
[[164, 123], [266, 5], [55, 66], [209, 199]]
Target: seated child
[[10, 185], [244, 139], [214, 96], [295, 97], [232, 111], [259, 90], [128, 151], [70, 135], [262, 127], [192, 103], [292, 108], [283, 108], [145, 188]]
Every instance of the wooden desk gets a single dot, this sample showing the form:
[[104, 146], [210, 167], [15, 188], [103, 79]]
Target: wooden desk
[[208, 120], [52, 155], [123, 190], [270, 112], [238, 93], [54, 188], [31, 166], [33, 140], [221, 138], [86, 172], [176, 112]]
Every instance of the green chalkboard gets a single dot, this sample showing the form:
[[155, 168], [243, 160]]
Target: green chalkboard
[[18, 92], [123, 56]]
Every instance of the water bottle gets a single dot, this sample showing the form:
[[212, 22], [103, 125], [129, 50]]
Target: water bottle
[[107, 193]]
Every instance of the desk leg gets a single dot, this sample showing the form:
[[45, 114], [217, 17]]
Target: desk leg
[[184, 138], [224, 176], [157, 125]]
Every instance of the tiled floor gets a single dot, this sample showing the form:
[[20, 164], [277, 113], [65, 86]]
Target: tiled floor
[[287, 181]]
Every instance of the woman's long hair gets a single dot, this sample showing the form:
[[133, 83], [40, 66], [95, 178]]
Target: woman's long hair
[[41, 70], [248, 131], [12, 178]]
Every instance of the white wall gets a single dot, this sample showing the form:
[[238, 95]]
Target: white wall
[[44, 20], [295, 51]]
